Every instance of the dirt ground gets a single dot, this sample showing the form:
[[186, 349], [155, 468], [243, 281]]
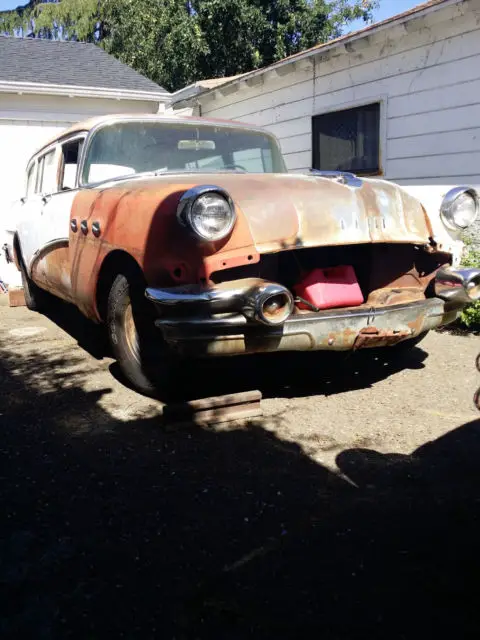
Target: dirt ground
[[350, 510]]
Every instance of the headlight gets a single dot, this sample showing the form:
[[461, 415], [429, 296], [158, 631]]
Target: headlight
[[208, 211], [459, 208]]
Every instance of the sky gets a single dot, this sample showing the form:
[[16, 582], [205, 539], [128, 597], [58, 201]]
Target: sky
[[387, 8]]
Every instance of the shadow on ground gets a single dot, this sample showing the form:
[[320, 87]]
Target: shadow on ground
[[275, 375], [117, 529]]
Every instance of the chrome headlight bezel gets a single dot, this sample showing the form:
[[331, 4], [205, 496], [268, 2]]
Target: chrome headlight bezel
[[185, 210], [447, 208]]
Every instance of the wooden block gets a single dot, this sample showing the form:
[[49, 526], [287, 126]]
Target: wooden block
[[16, 297], [215, 410]]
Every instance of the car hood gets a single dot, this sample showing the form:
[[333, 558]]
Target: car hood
[[293, 210]]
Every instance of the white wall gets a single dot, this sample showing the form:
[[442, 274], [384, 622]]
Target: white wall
[[28, 121], [426, 73]]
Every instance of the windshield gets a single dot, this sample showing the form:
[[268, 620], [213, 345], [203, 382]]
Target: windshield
[[126, 148]]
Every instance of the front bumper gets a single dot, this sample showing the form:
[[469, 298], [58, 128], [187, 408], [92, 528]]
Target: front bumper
[[338, 330], [236, 317]]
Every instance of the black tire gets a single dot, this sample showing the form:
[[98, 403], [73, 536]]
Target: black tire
[[136, 343], [36, 299], [406, 345]]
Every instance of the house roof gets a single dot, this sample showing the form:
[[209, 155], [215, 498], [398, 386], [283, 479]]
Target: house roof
[[376, 26], [75, 64], [405, 16], [200, 86]]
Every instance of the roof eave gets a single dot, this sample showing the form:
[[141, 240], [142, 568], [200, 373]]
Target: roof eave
[[73, 91], [338, 42]]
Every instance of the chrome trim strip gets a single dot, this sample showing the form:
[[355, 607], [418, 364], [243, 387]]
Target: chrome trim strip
[[58, 243], [344, 177]]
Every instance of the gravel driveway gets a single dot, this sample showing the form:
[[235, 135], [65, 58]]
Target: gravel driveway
[[351, 510]]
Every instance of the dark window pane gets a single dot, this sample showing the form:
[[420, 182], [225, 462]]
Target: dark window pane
[[348, 140]]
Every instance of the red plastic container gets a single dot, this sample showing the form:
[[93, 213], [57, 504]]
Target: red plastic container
[[330, 288]]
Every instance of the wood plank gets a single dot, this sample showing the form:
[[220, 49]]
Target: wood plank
[[217, 409], [16, 297], [434, 166], [436, 122], [446, 142]]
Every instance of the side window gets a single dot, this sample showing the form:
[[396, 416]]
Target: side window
[[30, 190], [47, 173], [38, 182], [70, 157]]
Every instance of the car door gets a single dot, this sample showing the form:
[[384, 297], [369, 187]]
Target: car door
[[52, 268], [22, 209], [28, 222]]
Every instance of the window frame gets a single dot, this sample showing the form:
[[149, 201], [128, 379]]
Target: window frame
[[382, 129], [82, 136], [82, 184]]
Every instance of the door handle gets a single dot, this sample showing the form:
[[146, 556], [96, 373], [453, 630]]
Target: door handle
[[74, 226], [84, 227]]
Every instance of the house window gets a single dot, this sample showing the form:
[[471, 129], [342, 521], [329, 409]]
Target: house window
[[348, 140]]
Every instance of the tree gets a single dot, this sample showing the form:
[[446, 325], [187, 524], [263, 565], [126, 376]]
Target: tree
[[175, 42]]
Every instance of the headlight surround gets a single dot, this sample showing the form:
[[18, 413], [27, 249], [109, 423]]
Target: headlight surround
[[208, 212], [459, 208]]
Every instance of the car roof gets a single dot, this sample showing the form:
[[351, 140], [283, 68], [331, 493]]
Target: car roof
[[87, 125]]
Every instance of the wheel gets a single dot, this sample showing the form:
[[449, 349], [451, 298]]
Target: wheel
[[136, 343], [406, 345], [36, 299]]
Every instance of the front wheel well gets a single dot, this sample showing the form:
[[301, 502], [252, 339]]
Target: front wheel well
[[115, 263]]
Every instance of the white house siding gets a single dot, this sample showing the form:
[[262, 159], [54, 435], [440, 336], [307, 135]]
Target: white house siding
[[426, 74], [28, 121]]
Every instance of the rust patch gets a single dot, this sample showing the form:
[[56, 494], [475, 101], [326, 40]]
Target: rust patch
[[417, 324], [371, 337], [387, 296], [52, 269]]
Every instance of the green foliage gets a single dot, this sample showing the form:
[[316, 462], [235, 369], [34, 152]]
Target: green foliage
[[470, 316], [176, 42], [75, 18]]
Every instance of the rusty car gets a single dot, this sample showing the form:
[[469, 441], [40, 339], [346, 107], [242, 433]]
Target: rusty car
[[187, 237]]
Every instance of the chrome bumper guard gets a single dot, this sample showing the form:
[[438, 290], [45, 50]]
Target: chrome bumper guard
[[458, 286]]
